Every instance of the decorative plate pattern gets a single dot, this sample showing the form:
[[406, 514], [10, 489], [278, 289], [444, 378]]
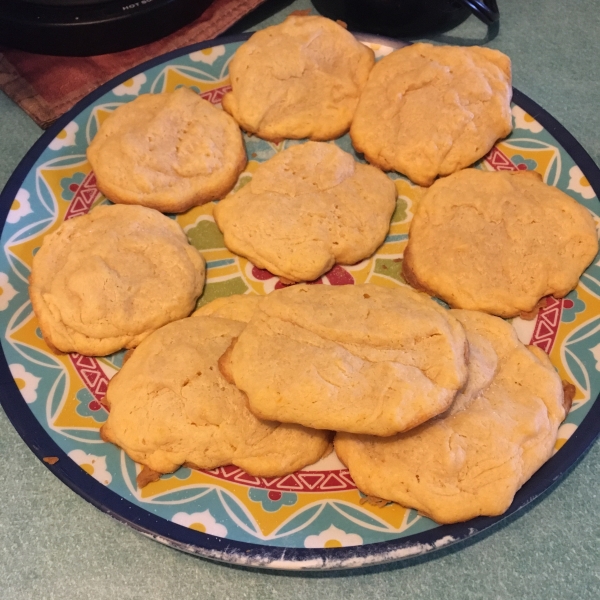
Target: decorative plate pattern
[[314, 518]]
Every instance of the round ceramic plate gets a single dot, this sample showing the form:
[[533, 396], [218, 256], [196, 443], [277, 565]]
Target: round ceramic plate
[[312, 519]]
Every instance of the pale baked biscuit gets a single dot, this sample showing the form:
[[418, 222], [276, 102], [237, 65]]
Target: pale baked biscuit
[[473, 459], [169, 405], [307, 208], [498, 242], [239, 307], [299, 79], [167, 151], [105, 280], [364, 358], [432, 110]]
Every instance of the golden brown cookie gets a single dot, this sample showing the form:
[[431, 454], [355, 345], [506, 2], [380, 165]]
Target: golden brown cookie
[[239, 307], [472, 460], [167, 151], [306, 209], [105, 280], [299, 79], [169, 406], [498, 242], [358, 358], [433, 110]]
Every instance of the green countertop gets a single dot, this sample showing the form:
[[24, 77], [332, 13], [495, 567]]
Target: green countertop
[[54, 545]]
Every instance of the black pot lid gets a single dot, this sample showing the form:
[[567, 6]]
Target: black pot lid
[[89, 27]]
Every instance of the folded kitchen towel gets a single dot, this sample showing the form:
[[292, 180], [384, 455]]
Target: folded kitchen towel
[[45, 87]]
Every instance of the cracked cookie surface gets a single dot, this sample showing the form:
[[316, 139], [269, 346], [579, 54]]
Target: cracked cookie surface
[[167, 151], [471, 460], [306, 209], [498, 242], [299, 79], [170, 405], [358, 358], [433, 110], [105, 280]]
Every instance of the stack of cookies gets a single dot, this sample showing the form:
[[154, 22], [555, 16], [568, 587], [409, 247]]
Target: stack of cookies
[[444, 411]]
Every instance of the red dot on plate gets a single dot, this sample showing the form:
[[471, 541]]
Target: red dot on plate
[[522, 167], [568, 303], [261, 274], [73, 187], [274, 495], [94, 405], [339, 276]]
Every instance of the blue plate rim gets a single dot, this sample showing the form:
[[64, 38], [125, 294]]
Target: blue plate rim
[[258, 555]]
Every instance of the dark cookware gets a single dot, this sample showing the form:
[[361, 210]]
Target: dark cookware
[[407, 18]]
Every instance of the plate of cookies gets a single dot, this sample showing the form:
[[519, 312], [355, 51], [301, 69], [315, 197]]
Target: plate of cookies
[[305, 299]]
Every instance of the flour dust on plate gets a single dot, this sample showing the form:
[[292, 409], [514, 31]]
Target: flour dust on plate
[[314, 518]]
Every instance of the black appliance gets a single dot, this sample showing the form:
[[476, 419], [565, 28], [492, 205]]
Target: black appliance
[[88, 27], [407, 18]]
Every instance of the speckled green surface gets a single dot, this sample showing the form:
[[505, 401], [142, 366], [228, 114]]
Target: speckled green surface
[[53, 545]]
